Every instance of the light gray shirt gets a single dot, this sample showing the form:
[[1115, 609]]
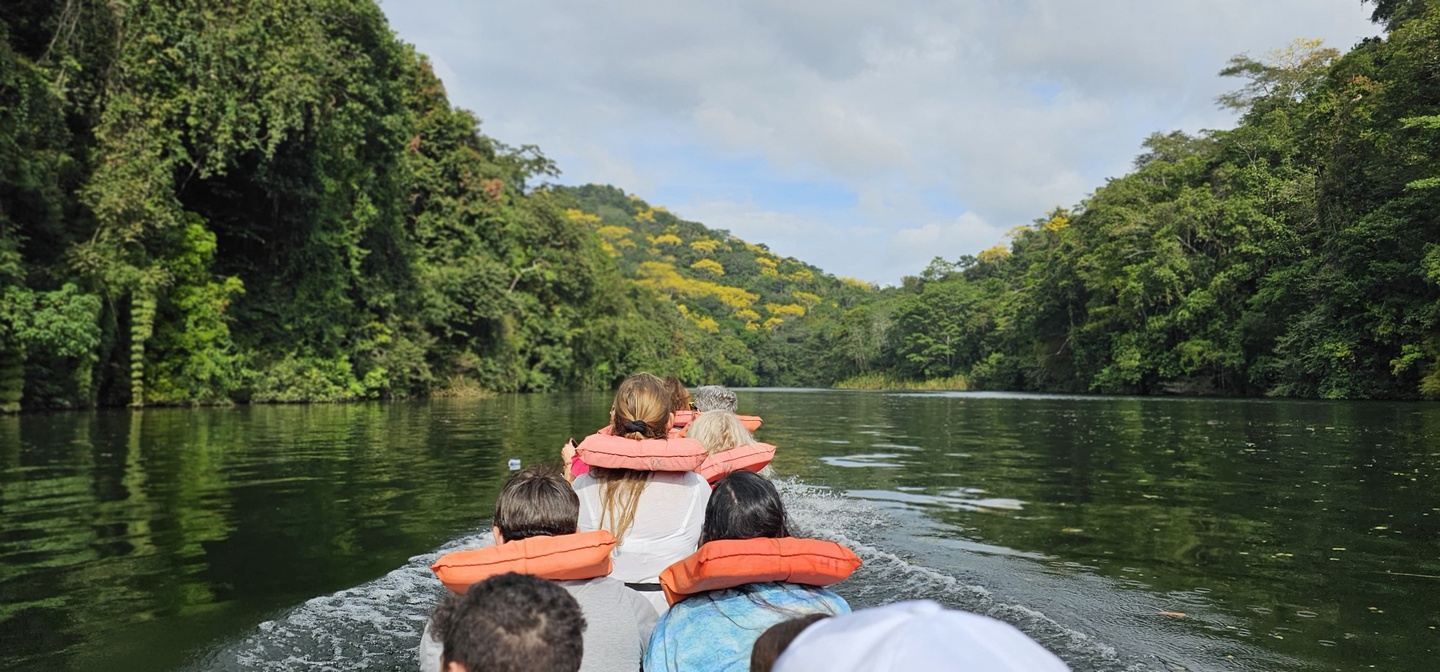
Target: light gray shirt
[[618, 622]]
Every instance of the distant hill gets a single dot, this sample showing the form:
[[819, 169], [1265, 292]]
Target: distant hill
[[737, 292]]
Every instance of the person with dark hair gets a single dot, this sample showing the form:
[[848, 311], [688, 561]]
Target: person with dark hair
[[747, 575], [536, 531], [679, 396], [511, 623], [535, 502], [774, 641], [744, 506]]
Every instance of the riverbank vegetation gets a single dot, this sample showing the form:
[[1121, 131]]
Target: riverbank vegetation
[[206, 203], [882, 382], [1295, 255], [276, 202]]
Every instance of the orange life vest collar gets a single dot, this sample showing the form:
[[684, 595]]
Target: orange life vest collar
[[618, 452], [753, 457], [568, 557], [683, 419], [735, 562]]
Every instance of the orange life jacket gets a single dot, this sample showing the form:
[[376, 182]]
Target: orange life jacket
[[753, 457], [684, 418], [568, 557], [618, 452], [735, 562]]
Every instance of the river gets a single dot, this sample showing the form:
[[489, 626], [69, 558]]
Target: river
[[1124, 534]]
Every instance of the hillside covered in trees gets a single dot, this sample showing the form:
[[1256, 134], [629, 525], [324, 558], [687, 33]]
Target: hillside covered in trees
[[275, 201], [1295, 255], [777, 320]]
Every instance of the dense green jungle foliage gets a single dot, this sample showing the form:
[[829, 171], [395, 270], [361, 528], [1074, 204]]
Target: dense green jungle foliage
[[274, 201], [1296, 255]]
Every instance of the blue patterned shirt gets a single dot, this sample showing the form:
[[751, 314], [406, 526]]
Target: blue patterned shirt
[[714, 632]]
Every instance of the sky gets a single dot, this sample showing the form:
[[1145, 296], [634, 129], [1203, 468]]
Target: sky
[[864, 137]]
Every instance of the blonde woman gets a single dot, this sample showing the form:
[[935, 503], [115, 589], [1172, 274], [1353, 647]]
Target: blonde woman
[[730, 446], [656, 515]]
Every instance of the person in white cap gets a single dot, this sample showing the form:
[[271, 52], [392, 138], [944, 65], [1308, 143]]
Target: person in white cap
[[915, 636]]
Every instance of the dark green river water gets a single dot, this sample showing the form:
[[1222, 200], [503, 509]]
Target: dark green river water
[[1125, 534]]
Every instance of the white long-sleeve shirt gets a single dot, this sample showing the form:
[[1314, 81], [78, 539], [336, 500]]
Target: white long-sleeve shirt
[[666, 530]]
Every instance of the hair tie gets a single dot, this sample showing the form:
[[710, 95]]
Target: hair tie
[[635, 426]]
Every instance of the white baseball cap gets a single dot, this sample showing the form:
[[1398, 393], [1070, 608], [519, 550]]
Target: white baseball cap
[[915, 636]]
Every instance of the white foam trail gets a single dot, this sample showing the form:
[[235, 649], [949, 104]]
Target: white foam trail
[[375, 625], [886, 577]]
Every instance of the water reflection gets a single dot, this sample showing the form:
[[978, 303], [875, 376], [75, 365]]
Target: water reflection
[[1284, 522], [134, 540], [1179, 534]]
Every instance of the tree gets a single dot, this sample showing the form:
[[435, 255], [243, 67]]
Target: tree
[[1286, 75]]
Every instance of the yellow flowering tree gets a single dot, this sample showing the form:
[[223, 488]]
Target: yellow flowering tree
[[709, 266]]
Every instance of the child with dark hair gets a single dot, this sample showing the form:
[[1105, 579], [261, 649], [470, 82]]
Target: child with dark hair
[[538, 505], [511, 623], [715, 627], [774, 641]]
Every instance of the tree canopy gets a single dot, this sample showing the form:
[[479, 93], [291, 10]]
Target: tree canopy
[[275, 201], [1294, 255]]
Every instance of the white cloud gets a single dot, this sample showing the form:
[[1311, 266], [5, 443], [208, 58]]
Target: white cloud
[[911, 249], [943, 119]]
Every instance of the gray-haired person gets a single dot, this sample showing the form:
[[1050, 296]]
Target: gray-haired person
[[714, 398]]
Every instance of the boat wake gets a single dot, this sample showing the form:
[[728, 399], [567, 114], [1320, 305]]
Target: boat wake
[[377, 625], [372, 626]]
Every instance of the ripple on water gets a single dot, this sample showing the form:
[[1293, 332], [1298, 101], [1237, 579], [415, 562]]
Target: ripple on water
[[956, 500], [896, 446], [890, 574], [863, 461]]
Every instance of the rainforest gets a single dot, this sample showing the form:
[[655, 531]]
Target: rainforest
[[216, 203]]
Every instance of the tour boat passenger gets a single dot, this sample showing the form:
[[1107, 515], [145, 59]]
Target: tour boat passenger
[[682, 411], [715, 398], [679, 396], [747, 575], [536, 533], [730, 446], [777, 639], [511, 623], [710, 398], [641, 486]]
